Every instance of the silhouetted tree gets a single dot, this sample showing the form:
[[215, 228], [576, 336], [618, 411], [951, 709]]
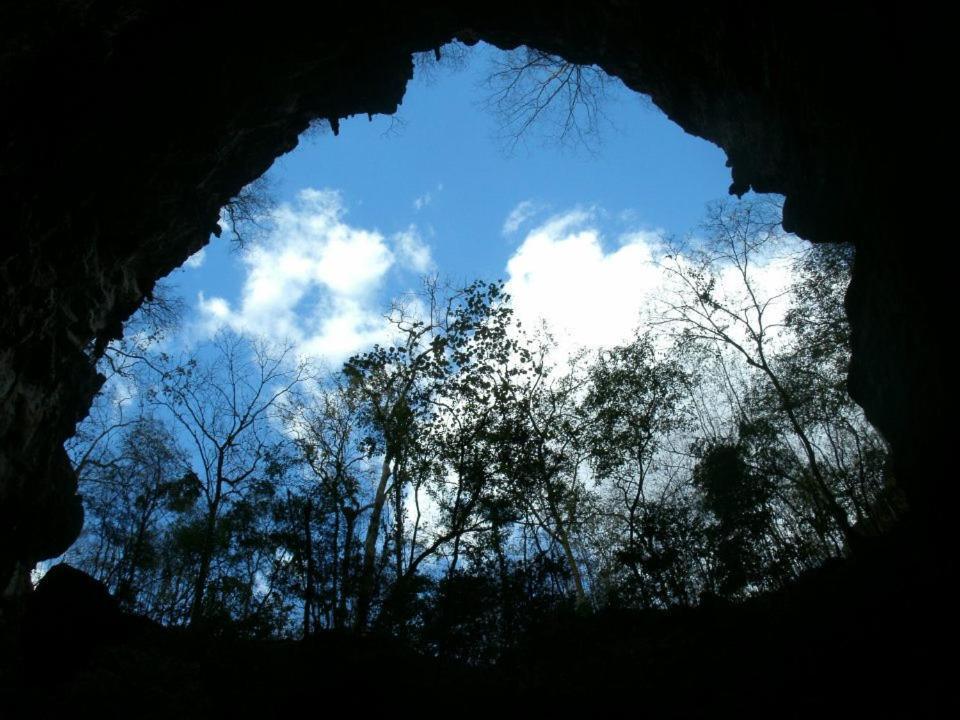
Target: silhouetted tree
[[462, 484], [632, 409], [719, 300], [402, 389], [543, 457], [224, 404], [737, 498], [530, 87], [134, 486], [326, 514], [247, 216]]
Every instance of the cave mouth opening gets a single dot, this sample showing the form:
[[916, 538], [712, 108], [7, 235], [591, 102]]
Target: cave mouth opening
[[640, 453], [122, 145]]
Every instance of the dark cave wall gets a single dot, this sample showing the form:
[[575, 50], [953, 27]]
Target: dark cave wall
[[127, 125]]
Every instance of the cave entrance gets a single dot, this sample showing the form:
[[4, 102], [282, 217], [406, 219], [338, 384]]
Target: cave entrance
[[657, 438]]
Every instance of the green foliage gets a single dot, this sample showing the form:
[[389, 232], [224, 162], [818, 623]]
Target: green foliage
[[459, 485], [736, 497]]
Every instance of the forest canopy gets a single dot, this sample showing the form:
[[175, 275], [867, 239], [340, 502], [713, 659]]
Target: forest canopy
[[464, 481]]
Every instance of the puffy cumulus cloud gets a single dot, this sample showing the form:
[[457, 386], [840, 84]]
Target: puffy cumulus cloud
[[588, 296], [313, 281], [520, 214], [594, 293], [411, 251], [346, 326]]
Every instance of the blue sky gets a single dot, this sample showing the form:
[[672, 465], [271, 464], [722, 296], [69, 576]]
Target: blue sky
[[361, 215]]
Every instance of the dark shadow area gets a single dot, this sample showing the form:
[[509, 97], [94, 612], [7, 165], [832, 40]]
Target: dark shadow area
[[129, 127], [813, 649]]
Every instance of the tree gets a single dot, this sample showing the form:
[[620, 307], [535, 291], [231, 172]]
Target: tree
[[738, 499], [248, 214], [134, 486], [542, 456], [452, 57], [402, 389], [719, 300], [459, 484], [529, 86], [133, 472], [815, 368], [632, 408], [225, 405], [325, 515]]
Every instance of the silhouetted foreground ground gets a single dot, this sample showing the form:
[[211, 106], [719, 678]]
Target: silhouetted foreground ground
[[857, 638]]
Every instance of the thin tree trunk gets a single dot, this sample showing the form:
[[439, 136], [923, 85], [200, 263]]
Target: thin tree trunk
[[335, 585], [365, 595], [203, 575], [398, 524], [340, 620], [308, 585], [574, 567], [126, 579], [838, 513]]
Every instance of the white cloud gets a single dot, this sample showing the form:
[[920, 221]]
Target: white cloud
[[523, 212], [347, 326], [561, 274], [196, 260], [216, 308], [313, 281], [411, 251], [591, 295]]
